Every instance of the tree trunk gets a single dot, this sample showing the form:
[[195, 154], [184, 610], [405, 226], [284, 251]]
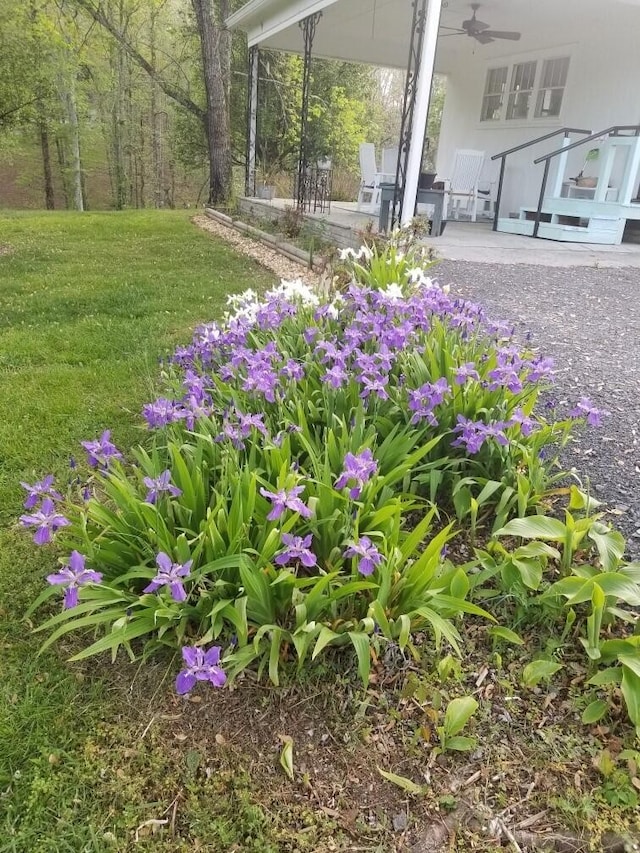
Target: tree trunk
[[69, 99], [215, 56], [157, 164], [46, 158], [119, 170], [62, 162]]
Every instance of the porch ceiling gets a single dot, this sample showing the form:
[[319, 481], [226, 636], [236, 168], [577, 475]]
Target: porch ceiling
[[376, 31]]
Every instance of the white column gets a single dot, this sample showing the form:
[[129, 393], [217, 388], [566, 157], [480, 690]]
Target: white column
[[421, 110]]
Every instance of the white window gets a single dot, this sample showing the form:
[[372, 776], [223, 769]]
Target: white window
[[524, 91], [493, 99], [552, 84], [523, 78]]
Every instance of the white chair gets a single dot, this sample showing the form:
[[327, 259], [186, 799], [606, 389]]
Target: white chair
[[461, 190], [371, 178], [390, 161]]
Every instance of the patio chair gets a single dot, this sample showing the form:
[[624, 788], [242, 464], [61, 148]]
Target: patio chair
[[390, 161], [371, 178], [461, 190]]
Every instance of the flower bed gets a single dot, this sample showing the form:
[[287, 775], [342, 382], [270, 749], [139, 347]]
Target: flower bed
[[309, 464]]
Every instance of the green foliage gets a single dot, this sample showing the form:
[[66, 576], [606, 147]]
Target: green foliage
[[539, 670], [457, 714], [599, 590]]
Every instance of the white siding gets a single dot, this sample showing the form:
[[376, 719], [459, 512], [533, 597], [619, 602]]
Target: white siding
[[602, 90]]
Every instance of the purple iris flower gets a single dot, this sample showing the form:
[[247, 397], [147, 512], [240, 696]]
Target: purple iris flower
[[39, 490], [527, 424], [285, 499], [368, 554], [160, 484], [496, 430], [101, 451], [47, 520], [265, 381], [585, 408], [506, 376], [541, 368], [72, 576], [424, 399], [296, 549], [336, 376], [374, 385], [200, 666], [170, 574], [292, 370], [249, 422], [162, 412], [466, 371], [358, 469], [471, 434]]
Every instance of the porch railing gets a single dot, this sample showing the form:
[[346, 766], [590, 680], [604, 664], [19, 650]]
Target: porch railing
[[567, 131], [616, 130]]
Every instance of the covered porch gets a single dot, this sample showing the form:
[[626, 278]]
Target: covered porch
[[475, 242], [521, 82]]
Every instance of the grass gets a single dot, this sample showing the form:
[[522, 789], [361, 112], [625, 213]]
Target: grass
[[88, 303]]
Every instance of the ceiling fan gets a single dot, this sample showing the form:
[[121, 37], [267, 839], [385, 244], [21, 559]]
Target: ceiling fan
[[479, 31]]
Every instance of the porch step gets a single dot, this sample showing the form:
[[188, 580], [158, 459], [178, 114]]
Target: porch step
[[608, 232]]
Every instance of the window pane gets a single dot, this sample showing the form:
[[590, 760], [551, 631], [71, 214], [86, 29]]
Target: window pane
[[523, 76], [554, 72], [522, 81], [494, 94], [492, 108], [554, 78], [496, 79], [518, 106]]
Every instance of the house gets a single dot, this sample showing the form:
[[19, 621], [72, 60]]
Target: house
[[516, 70]]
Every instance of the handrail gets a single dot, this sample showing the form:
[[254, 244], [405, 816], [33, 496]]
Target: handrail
[[504, 154], [547, 158], [565, 130], [610, 131]]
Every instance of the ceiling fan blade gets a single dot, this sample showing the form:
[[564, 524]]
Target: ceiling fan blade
[[482, 37], [455, 29], [448, 35], [501, 34]]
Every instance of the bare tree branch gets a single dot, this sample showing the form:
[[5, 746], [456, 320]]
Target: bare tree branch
[[173, 92]]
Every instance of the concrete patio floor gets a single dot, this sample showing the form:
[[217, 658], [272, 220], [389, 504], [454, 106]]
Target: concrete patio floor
[[476, 242]]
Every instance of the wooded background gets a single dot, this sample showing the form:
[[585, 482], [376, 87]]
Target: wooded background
[[113, 104]]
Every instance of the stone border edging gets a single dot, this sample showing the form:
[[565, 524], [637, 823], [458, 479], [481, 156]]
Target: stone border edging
[[293, 253]]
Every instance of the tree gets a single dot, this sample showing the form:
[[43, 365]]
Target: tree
[[215, 53]]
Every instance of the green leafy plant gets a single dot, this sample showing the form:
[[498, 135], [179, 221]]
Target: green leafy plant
[[457, 714]]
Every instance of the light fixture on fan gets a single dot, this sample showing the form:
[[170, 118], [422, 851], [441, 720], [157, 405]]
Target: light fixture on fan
[[480, 31]]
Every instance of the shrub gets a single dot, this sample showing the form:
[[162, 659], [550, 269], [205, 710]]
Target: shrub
[[302, 467]]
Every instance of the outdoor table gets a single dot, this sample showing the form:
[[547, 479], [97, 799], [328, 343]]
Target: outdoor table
[[388, 194]]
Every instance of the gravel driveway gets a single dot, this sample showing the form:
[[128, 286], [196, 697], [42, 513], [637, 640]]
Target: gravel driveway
[[588, 319]]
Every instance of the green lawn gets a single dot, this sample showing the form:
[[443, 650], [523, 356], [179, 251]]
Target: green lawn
[[88, 304]]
